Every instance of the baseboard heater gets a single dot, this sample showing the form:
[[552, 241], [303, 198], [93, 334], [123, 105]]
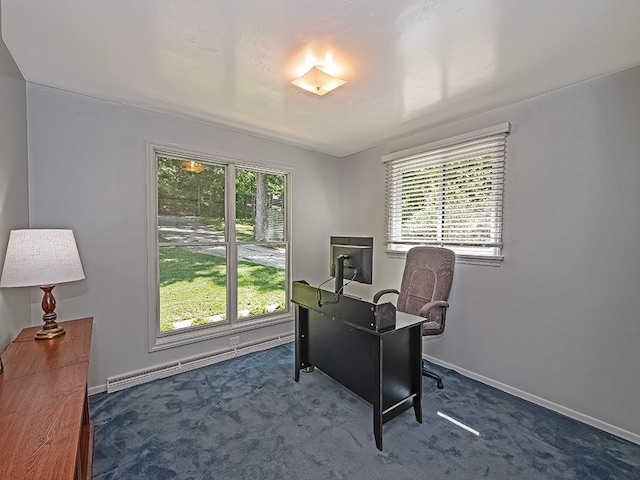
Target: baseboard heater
[[139, 377]]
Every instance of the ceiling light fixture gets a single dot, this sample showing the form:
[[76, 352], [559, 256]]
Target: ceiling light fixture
[[318, 81]]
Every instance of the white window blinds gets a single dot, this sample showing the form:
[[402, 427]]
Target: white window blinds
[[448, 193]]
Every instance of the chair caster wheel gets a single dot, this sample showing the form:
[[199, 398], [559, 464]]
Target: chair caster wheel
[[440, 385], [309, 369]]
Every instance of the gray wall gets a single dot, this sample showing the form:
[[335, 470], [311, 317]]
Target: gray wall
[[14, 195], [560, 319], [87, 163]]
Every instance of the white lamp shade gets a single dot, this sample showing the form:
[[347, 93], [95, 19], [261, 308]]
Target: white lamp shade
[[38, 257]]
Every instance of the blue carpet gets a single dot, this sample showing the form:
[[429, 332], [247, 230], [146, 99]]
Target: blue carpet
[[247, 419]]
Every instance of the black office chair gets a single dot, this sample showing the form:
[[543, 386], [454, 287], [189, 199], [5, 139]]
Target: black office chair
[[424, 291]]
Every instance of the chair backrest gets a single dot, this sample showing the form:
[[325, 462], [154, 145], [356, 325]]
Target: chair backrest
[[428, 275]]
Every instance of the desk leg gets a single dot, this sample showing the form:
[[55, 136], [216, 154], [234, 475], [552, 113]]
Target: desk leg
[[378, 390], [298, 363], [301, 342], [417, 408], [416, 361]]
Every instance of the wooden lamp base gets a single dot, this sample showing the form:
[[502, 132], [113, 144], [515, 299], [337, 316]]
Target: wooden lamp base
[[51, 329]]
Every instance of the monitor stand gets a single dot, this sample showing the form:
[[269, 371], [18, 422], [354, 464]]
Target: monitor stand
[[340, 273]]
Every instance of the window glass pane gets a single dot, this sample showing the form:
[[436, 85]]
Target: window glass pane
[[260, 206], [261, 279], [421, 204], [190, 201], [193, 286], [468, 202], [192, 255]]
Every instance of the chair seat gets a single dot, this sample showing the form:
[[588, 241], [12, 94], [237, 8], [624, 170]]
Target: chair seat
[[430, 326]]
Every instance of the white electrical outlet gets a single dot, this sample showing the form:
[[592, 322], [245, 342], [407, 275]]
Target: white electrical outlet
[[234, 340]]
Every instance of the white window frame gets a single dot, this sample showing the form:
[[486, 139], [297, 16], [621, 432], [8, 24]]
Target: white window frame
[[426, 155], [164, 340]]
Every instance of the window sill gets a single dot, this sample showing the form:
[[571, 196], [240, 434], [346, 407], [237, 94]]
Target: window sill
[[487, 261], [193, 335]]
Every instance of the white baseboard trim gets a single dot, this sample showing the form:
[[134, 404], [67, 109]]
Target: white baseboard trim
[[581, 417], [97, 389]]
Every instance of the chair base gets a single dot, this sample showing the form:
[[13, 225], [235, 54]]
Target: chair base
[[437, 378]]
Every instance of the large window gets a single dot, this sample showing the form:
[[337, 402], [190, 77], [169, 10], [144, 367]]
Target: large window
[[449, 194], [222, 248]]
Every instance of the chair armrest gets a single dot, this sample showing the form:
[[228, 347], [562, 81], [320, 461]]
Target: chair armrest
[[424, 311], [379, 294]]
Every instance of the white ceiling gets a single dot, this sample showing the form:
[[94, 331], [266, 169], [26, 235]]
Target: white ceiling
[[409, 64]]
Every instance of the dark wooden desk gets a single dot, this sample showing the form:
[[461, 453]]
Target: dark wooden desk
[[372, 350], [44, 409]]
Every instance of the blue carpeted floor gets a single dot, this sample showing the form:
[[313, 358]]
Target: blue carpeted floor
[[247, 419]]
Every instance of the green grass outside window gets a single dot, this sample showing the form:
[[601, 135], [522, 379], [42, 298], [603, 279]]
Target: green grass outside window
[[193, 287]]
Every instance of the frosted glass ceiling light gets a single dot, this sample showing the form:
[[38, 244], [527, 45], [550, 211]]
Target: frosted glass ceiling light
[[318, 81]]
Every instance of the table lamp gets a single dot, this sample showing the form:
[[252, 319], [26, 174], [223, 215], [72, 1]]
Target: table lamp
[[44, 258]]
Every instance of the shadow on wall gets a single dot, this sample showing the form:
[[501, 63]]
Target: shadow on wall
[[14, 313]]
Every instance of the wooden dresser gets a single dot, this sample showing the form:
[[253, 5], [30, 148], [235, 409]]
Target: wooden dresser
[[45, 430]]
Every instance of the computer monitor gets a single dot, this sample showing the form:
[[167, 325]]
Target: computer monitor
[[351, 258]]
